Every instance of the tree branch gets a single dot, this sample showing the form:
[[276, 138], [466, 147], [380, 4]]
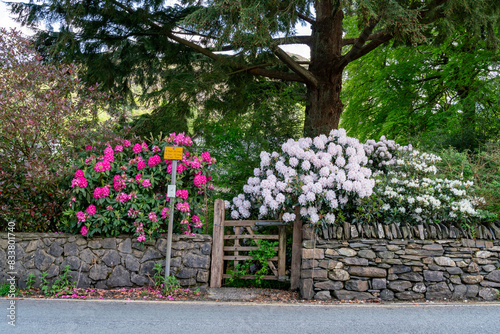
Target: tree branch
[[350, 41], [306, 18], [279, 41], [305, 74], [360, 41]]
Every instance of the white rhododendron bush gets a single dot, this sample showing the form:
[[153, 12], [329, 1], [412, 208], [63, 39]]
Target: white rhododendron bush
[[336, 178]]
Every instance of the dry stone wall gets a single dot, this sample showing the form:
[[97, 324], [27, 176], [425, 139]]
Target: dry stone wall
[[106, 262], [398, 269]]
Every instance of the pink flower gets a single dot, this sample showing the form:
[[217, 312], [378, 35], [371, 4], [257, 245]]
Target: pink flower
[[101, 192], [164, 213], [183, 207], [109, 157], [152, 217], [99, 167], [137, 148], [84, 230], [88, 148], [132, 213], [206, 156], [146, 183], [156, 149], [144, 147], [119, 148], [141, 238], [79, 173], [107, 164], [123, 197], [180, 168], [141, 165], [80, 182], [183, 194], [154, 160], [118, 183], [81, 217], [91, 210], [126, 143], [199, 180], [109, 208], [138, 178], [108, 151]]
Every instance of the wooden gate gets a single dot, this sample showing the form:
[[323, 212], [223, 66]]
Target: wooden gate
[[222, 252]]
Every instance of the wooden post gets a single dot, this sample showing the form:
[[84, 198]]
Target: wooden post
[[281, 252], [296, 251], [217, 245]]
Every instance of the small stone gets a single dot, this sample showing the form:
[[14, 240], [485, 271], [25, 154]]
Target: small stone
[[438, 291], [352, 295], [379, 283], [72, 261], [484, 254], [202, 276], [356, 285], [455, 279], [111, 258], [197, 261], [399, 269], [323, 295], [119, 278], [331, 252], [399, 285], [94, 244], [488, 294], [472, 291], [472, 279], [87, 256], [187, 273], [459, 292], [346, 252], [387, 295], [461, 264], [409, 295], [386, 255], [489, 267], [70, 249], [367, 254], [413, 277], [493, 276], [313, 273], [433, 276], [131, 263], [99, 272], [444, 261], [419, 287], [433, 247], [313, 254], [309, 264], [473, 268], [151, 254], [306, 288], [55, 250], [368, 272], [338, 275], [139, 279], [206, 248], [109, 243], [125, 246], [454, 270], [329, 285], [355, 261]]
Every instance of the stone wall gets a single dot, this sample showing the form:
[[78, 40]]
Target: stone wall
[[398, 269], [106, 262]]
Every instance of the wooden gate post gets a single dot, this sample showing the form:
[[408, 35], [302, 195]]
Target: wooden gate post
[[218, 245], [296, 251]]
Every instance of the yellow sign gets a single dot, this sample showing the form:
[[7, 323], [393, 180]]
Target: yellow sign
[[173, 153]]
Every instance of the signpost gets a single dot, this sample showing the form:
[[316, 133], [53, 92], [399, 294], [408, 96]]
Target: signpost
[[174, 154]]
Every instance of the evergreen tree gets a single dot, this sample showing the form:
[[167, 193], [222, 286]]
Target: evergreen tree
[[173, 52]]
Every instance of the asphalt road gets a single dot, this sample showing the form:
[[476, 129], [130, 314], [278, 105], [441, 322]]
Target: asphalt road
[[103, 317]]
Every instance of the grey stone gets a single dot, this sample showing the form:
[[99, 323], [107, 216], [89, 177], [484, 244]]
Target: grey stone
[[138, 279], [367, 272], [409, 295], [493, 276], [356, 285], [399, 269], [444, 261], [339, 275], [70, 249], [87, 256], [119, 278], [187, 273], [182, 245], [433, 276], [72, 261], [489, 267], [412, 276], [379, 283], [81, 280], [419, 287], [94, 244], [34, 245], [455, 279], [471, 279], [346, 252], [490, 284], [355, 261], [99, 272], [473, 268], [472, 291], [367, 254], [488, 294], [306, 288], [187, 281], [438, 291], [202, 276], [433, 247], [387, 295], [131, 263], [206, 248], [21, 283], [313, 273], [111, 258], [147, 268], [484, 254], [151, 254], [386, 255], [55, 250], [109, 243], [53, 271], [323, 295], [352, 295], [454, 270], [329, 285], [197, 261], [42, 260], [399, 285], [459, 292], [161, 245], [435, 267], [125, 246]]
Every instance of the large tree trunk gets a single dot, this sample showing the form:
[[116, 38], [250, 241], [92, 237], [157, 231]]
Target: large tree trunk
[[323, 100]]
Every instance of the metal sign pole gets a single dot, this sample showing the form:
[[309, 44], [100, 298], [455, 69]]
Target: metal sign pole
[[170, 221]]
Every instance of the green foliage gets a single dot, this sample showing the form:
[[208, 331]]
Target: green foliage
[[168, 285], [5, 289], [260, 258], [30, 280], [62, 284]]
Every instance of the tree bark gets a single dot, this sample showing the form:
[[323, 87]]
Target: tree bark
[[324, 105]]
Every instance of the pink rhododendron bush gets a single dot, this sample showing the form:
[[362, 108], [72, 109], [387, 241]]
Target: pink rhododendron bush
[[336, 178], [122, 189]]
